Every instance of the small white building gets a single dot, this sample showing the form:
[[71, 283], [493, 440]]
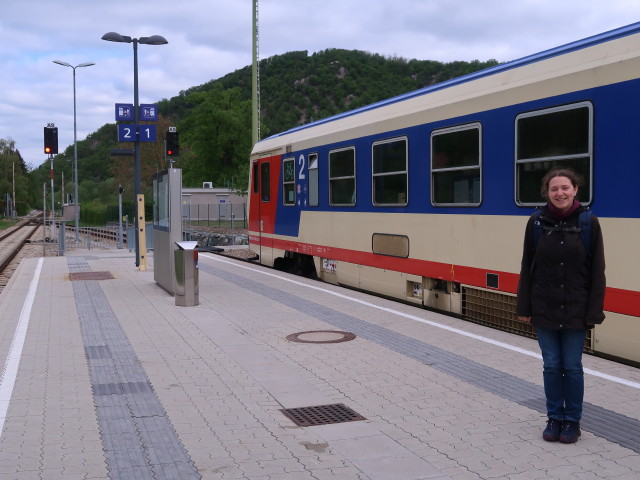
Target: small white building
[[213, 204]]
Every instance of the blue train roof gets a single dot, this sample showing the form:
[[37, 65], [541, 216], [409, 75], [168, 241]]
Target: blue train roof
[[537, 57]]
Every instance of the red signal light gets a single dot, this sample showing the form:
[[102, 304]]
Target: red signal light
[[173, 147], [50, 140]]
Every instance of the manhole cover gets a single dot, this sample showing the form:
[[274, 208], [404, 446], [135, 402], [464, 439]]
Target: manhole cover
[[321, 415], [321, 336], [90, 276]]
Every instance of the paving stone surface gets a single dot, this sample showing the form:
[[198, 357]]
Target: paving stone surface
[[116, 382]]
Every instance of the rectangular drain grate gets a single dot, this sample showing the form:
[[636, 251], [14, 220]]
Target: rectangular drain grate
[[90, 276], [321, 415]]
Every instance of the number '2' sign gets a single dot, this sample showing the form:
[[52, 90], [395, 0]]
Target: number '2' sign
[[127, 133]]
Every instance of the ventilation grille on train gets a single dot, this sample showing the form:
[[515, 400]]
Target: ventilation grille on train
[[499, 311]]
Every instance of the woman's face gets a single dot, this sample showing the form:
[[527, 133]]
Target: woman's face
[[561, 193]]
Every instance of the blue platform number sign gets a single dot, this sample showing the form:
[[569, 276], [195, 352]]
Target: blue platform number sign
[[149, 112], [147, 133], [124, 112], [126, 133]]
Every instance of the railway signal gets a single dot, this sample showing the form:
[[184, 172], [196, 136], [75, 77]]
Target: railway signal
[[173, 147], [50, 139]]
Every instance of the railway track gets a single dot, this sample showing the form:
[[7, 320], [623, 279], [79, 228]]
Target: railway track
[[17, 242]]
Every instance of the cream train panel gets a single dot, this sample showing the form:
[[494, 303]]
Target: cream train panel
[[618, 336], [384, 282], [566, 73], [442, 238], [621, 237]]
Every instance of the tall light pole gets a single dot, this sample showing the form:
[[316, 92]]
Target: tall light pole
[[152, 40], [75, 143], [255, 79]]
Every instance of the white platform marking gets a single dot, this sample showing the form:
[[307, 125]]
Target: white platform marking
[[10, 370]]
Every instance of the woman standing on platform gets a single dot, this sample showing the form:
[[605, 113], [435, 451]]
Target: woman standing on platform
[[561, 293]]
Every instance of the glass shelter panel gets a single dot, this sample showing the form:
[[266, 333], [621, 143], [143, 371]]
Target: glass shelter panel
[[161, 201]]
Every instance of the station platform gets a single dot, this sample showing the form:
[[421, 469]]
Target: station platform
[[277, 377]]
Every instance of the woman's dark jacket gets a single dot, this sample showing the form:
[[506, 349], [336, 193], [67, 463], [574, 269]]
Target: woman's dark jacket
[[561, 286]]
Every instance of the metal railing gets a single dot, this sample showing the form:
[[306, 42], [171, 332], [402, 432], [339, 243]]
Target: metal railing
[[60, 237], [222, 215]]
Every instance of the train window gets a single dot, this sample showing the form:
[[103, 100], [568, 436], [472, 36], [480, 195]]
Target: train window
[[554, 137], [289, 181], [342, 177], [313, 179], [265, 181], [389, 172], [456, 155], [256, 178]]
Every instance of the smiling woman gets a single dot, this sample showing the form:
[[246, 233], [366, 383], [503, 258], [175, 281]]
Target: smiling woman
[[561, 293]]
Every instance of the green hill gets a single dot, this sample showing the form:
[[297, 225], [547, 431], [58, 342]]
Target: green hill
[[214, 119]]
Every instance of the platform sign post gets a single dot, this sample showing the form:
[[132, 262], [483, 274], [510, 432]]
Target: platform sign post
[[137, 133]]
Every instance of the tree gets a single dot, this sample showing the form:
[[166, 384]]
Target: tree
[[218, 133], [13, 171]]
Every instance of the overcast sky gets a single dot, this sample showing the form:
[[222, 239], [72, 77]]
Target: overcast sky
[[210, 38]]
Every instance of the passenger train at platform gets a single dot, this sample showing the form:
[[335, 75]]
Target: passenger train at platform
[[424, 197]]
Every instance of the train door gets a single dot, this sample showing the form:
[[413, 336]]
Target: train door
[[262, 208]]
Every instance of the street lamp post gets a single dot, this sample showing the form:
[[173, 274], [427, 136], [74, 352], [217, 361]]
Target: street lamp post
[[75, 144], [152, 40]]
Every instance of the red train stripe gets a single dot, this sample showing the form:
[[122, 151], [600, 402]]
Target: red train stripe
[[617, 300]]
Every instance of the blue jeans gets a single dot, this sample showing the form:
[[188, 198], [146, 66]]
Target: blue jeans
[[563, 375]]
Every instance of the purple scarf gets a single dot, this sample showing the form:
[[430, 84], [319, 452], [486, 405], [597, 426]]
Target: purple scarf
[[560, 215]]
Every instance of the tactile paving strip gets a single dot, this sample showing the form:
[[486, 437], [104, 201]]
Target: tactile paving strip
[[610, 425], [322, 415], [138, 438]]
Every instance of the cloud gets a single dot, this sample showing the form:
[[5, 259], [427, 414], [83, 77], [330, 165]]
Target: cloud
[[210, 38]]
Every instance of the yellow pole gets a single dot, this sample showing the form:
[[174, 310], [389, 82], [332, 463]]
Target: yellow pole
[[142, 234]]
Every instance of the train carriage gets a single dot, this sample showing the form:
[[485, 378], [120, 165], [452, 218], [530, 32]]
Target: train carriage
[[424, 197]]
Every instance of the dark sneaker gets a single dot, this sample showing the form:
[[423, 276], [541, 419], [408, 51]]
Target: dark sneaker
[[552, 432], [570, 432]]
